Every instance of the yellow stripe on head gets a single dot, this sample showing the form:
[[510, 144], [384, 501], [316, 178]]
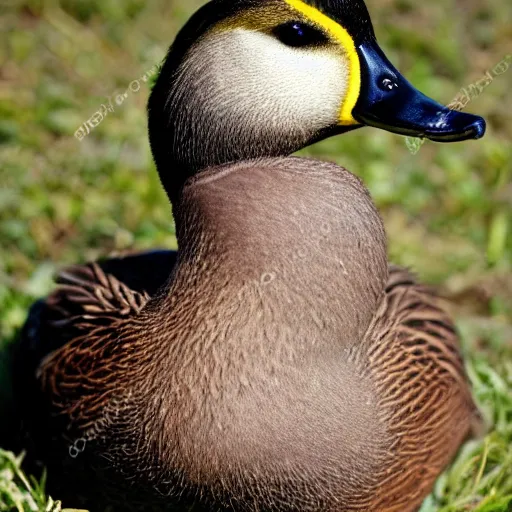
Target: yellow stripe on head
[[340, 35]]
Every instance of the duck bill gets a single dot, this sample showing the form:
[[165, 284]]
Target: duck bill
[[388, 101]]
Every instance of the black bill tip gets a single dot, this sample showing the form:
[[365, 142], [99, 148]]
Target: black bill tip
[[478, 128], [452, 126]]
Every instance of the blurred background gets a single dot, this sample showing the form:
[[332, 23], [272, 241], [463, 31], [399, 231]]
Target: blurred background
[[447, 208]]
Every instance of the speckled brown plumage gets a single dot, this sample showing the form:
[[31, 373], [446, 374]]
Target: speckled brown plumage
[[249, 381]]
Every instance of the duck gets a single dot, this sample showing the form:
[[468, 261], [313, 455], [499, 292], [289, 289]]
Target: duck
[[276, 361]]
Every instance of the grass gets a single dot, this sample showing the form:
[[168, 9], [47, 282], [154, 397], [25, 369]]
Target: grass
[[447, 208]]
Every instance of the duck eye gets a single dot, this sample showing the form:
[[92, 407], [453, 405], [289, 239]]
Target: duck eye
[[297, 34]]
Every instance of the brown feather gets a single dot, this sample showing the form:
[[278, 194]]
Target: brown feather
[[282, 367]]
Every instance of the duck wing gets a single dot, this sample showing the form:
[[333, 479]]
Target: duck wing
[[424, 393], [96, 292], [144, 272], [79, 317]]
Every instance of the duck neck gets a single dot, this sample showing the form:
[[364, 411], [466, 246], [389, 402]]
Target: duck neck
[[194, 131], [201, 116]]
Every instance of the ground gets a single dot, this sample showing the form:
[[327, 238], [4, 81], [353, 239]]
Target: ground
[[447, 208]]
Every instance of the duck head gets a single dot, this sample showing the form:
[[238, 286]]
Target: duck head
[[260, 78]]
